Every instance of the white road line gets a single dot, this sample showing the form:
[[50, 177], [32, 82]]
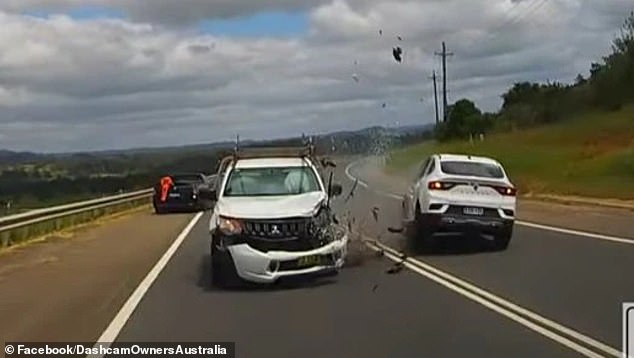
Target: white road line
[[621, 240], [497, 300], [113, 330], [492, 302], [576, 232]]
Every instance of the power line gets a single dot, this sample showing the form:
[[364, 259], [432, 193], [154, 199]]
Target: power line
[[444, 55], [433, 77]]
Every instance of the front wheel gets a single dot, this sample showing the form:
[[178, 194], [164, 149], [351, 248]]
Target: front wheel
[[421, 234], [223, 270]]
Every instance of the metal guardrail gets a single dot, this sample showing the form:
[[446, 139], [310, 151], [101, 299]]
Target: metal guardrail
[[32, 214], [24, 226]]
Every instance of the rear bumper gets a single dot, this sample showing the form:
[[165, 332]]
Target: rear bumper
[[451, 223]]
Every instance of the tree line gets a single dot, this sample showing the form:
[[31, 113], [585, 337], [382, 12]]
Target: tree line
[[45, 181], [609, 86]]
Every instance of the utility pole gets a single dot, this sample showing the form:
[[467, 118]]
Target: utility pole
[[433, 77], [444, 55]]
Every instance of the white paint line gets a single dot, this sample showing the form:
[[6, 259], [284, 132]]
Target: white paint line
[[621, 240], [501, 301], [471, 292], [576, 232], [122, 317]]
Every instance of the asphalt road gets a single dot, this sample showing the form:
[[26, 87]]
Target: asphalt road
[[365, 312]]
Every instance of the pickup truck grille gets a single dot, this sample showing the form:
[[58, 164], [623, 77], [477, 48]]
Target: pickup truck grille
[[280, 235], [276, 228]]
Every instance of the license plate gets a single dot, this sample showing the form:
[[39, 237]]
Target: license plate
[[473, 211], [313, 260], [175, 195]]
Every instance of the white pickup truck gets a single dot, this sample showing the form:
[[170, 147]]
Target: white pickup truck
[[272, 218]]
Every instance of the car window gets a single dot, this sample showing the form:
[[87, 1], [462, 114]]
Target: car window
[[422, 168], [431, 167], [271, 181], [484, 170], [187, 178]]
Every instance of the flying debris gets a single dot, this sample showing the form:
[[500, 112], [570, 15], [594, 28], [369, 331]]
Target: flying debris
[[397, 52], [355, 77], [399, 38], [351, 193], [398, 267], [380, 32], [375, 213], [383, 105]]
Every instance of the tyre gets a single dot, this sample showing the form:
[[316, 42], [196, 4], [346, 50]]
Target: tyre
[[501, 241], [223, 270], [420, 235]]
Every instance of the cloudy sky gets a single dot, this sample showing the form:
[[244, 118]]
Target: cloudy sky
[[104, 74]]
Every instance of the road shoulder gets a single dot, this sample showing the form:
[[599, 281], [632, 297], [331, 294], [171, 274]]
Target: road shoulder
[[68, 289]]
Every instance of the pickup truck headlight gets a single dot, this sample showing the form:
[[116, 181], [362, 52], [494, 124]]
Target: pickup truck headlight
[[230, 226]]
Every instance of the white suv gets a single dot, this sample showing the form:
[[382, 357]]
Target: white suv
[[272, 219], [460, 194]]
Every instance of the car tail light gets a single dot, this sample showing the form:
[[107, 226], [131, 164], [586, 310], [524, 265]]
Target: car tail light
[[439, 185], [506, 190]]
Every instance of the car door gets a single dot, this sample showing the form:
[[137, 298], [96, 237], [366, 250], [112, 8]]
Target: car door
[[412, 194]]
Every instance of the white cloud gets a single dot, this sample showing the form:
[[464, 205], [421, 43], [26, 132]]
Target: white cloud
[[74, 85]]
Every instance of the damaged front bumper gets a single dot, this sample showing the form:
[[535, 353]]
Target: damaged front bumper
[[267, 267]]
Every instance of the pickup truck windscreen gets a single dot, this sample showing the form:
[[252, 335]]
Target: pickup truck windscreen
[[271, 181]]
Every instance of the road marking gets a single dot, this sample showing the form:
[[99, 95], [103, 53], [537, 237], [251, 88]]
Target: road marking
[[621, 240], [576, 232], [114, 328], [539, 324]]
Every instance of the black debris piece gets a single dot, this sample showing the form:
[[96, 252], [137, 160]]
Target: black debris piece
[[398, 267], [375, 213], [383, 105], [351, 193], [395, 230], [397, 52], [399, 38], [375, 287], [380, 32]]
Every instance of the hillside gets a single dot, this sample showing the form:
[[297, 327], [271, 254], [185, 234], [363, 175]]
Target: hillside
[[588, 155]]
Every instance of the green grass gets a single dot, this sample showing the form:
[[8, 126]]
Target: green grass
[[591, 155]]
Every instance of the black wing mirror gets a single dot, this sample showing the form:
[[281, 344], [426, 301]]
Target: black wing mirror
[[207, 193], [336, 190], [326, 162]]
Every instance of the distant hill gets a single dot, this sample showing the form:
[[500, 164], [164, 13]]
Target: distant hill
[[8, 157]]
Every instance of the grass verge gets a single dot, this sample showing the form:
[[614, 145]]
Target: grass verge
[[40, 230], [591, 155]]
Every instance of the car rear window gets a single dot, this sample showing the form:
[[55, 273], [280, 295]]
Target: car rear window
[[472, 169], [187, 178]]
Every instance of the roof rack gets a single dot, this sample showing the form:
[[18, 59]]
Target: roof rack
[[305, 151]]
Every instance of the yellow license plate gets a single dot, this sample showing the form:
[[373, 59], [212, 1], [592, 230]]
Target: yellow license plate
[[309, 261]]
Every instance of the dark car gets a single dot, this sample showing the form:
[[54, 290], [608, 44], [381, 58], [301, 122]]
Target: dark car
[[182, 192]]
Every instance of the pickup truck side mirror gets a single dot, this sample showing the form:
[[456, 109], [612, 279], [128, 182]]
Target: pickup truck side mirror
[[336, 190], [207, 193]]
